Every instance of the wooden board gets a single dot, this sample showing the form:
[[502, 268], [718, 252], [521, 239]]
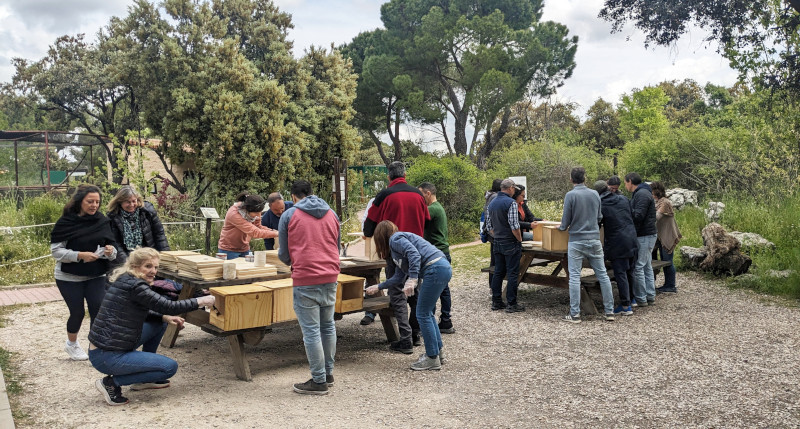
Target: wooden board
[[200, 267], [370, 252], [241, 307], [169, 260], [554, 239], [282, 299], [537, 230], [349, 293]]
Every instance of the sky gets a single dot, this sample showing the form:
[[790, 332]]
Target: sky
[[608, 65]]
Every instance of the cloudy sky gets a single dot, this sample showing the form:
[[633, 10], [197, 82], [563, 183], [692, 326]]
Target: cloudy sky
[[608, 65]]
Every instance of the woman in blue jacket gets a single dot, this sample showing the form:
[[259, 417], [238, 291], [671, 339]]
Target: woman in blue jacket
[[412, 261]]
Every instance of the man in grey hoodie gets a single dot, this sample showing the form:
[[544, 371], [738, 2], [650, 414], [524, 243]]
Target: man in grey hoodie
[[582, 217]]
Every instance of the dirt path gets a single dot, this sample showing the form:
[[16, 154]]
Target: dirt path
[[706, 357]]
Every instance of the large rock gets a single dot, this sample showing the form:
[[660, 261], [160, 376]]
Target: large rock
[[682, 197], [753, 242], [693, 256], [724, 256], [714, 211]]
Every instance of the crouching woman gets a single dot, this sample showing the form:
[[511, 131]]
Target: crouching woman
[[118, 329], [411, 259]]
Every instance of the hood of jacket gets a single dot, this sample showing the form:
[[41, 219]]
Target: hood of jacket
[[313, 205]]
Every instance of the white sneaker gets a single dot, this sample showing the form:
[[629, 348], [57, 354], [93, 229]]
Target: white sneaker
[[75, 352]]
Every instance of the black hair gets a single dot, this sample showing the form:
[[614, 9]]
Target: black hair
[[496, 185], [301, 189], [614, 181], [578, 175], [634, 178], [251, 202], [518, 189], [428, 186], [74, 204]]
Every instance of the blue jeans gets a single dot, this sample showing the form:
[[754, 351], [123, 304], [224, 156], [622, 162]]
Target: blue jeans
[[434, 280], [314, 306], [644, 286], [133, 367], [593, 251], [669, 271], [151, 336], [233, 255], [506, 261]]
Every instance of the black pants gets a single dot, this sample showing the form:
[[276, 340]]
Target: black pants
[[75, 293], [622, 269]]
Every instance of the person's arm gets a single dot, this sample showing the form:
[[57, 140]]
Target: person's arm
[[566, 215], [639, 208], [513, 221], [252, 229], [489, 226], [283, 236], [62, 254], [142, 294], [404, 247], [369, 227]]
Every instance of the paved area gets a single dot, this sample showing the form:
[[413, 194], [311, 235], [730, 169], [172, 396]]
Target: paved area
[[29, 295]]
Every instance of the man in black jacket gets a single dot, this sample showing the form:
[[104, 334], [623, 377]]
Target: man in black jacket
[[620, 245], [643, 208]]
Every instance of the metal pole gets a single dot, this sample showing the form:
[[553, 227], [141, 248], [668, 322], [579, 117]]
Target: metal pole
[[16, 165], [208, 236], [337, 186], [47, 157], [91, 161]]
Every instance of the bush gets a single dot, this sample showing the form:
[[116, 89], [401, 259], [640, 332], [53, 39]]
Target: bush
[[459, 188]]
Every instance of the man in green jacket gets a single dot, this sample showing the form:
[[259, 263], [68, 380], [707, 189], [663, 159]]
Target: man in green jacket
[[436, 234]]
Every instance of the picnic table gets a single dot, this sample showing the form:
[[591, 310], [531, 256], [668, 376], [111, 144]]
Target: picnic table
[[536, 256], [237, 339]]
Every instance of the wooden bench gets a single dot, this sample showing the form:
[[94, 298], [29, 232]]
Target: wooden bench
[[253, 336], [534, 263]]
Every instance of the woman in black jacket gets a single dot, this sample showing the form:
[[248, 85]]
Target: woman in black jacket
[[82, 245], [118, 329], [135, 224]]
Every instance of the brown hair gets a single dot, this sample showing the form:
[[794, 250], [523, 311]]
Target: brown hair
[[380, 238], [136, 259], [124, 194], [658, 189], [74, 204]]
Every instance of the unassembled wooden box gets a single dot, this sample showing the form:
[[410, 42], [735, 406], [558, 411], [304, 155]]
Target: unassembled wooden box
[[537, 230], [241, 307], [554, 239], [282, 299], [349, 294]]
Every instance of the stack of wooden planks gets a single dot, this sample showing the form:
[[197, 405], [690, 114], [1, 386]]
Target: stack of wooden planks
[[248, 270], [200, 267], [169, 258], [272, 259]]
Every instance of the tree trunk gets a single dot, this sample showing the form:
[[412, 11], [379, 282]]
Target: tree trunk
[[492, 139]]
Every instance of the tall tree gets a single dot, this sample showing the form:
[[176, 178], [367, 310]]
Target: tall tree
[[760, 37], [641, 114], [601, 131], [469, 62]]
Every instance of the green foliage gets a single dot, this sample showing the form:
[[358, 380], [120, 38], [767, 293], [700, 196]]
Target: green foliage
[[641, 114], [547, 165], [459, 188], [601, 130]]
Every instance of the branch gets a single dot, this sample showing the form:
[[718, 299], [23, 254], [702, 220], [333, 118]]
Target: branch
[[378, 143]]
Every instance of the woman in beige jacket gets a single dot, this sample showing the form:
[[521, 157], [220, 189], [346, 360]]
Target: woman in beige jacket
[[668, 235]]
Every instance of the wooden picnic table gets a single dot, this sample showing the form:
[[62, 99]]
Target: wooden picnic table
[[537, 256], [370, 270]]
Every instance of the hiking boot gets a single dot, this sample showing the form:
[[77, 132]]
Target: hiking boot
[[515, 308], [425, 363], [498, 306], [610, 317], [311, 388], [405, 347], [664, 289], [329, 380], [572, 319], [111, 393], [446, 326], [415, 339], [625, 311], [75, 351], [366, 320], [161, 384]]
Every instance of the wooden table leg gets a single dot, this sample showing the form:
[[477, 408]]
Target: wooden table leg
[[240, 365], [389, 324], [171, 334]]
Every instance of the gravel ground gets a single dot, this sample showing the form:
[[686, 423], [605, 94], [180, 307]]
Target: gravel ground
[[705, 357]]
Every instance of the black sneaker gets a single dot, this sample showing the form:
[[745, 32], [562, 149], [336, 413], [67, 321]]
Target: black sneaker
[[498, 306], [329, 380], [366, 320], [446, 326], [664, 289], [515, 308], [405, 347], [311, 388], [161, 384], [111, 393], [415, 339]]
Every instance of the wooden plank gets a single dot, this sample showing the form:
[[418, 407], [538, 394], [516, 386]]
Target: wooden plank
[[241, 307], [389, 324], [240, 365], [545, 280], [534, 263]]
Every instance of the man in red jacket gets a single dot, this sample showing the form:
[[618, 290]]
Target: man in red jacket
[[405, 206], [309, 241]]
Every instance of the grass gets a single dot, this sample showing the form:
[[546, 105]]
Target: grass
[[13, 377]]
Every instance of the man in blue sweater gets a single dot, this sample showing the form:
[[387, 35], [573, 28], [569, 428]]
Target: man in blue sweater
[[582, 217]]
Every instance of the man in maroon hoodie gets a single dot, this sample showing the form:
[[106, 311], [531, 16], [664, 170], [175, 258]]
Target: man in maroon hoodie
[[309, 241], [405, 206]]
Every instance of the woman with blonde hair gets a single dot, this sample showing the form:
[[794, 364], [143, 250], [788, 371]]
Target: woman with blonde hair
[[409, 257], [134, 223], [119, 329]]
